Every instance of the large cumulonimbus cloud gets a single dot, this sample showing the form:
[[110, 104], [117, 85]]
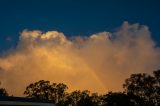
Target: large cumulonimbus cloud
[[99, 63]]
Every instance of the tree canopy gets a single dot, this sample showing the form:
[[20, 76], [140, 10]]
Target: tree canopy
[[44, 90], [141, 89], [144, 88], [3, 91], [118, 99]]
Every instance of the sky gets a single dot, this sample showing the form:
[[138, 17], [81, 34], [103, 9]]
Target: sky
[[74, 17], [79, 43]]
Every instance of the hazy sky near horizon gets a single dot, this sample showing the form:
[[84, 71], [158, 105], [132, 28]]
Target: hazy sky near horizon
[[74, 17]]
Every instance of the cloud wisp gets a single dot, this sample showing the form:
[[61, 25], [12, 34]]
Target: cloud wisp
[[99, 63]]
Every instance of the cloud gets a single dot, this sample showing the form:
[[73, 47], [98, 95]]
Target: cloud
[[100, 62]]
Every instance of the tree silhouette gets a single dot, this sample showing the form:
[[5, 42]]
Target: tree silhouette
[[143, 88], [140, 89], [97, 100], [157, 87], [39, 90], [44, 90], [3, 91], [82, 98], [118, 99], [60, 94]]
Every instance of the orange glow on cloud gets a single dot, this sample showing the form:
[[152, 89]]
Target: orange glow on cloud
[[98, 63]]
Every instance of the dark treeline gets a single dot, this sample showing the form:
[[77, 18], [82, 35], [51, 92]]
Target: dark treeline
[[140, 89]]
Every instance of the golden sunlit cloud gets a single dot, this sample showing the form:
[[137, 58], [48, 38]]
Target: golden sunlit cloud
[[99, 63]]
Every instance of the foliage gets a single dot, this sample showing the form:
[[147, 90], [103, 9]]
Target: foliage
[[118, 99], [144, 88], [3, 92], [44, 90], [140, 89]]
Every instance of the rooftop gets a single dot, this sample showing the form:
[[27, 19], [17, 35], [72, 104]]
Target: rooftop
[[21, 101]]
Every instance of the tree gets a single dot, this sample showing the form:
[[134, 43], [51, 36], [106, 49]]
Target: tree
[[85, 99], [157, 87], [118, 99], [60, 94], [79, 98], [44, 90], [141, 87], [97, 100], [3, 91], [39, 90]]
